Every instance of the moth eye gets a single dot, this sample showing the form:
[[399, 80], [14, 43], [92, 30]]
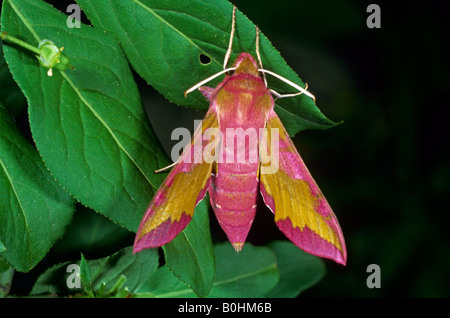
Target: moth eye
[[204, 59]]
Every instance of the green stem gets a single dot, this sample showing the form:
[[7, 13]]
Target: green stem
[[25, 45]]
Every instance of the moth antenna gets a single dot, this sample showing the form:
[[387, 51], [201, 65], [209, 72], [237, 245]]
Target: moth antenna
[[258, 55], [230, 44], [301, 89], [193, 88], [226, 59]]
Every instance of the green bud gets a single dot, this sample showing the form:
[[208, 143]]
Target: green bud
[[52, 57]]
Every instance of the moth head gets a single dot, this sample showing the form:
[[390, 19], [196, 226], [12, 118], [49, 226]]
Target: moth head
[[245, 63]]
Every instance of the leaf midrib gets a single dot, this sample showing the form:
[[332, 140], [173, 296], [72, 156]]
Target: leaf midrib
[[116, 140], [82, 98], [24, 20], [172, 27], [197, 262], [22, 210], [214, 60]]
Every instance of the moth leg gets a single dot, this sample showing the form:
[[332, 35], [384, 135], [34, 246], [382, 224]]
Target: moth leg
[[278, 95], [225, 62], [230, 44], [259, 56], [299, 88], [166, 168]]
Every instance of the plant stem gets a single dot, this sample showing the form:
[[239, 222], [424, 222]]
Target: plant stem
[[25, 45]]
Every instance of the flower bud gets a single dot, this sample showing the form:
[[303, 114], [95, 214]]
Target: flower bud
[[52, 57]]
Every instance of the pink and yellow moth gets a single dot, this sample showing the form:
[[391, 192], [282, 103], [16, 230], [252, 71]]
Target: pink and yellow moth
[[243, 102]]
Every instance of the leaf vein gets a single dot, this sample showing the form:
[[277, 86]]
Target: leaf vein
[[20, 205], [110, 131]]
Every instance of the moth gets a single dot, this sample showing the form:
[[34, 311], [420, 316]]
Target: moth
[[220, 163]]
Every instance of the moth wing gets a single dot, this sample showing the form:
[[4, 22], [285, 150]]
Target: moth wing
[[301, 211], [173, 205]]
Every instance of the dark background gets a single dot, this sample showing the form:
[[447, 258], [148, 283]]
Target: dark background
[[385, 169]]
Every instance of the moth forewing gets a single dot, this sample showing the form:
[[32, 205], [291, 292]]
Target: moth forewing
[[269, 156]]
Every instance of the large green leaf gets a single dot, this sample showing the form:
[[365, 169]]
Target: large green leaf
[[163, 284], [136, 268], [190, 255], [251, 273], [10, 94], [86, 276], [5, 281], [88, 123], [298, 270], [54, 280], [34, 209], [103, 273], [164, 40]]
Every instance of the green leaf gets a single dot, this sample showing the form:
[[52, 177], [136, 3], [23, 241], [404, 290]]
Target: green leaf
[[3, 266], [2, 247], [5, 281], [136, 268], [34, 209], [190, 255], [10, 95], [88, 123], [121, 268], [163, 284], [164, 40], [142, 295], [85, 275], [91, 232], [250, 273], [298, 270], [54, 281]]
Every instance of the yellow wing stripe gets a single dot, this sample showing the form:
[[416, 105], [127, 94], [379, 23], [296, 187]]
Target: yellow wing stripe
[[181, 197], [179, 192], [293, 198]]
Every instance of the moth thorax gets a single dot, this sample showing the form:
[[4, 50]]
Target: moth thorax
[[247, 65]]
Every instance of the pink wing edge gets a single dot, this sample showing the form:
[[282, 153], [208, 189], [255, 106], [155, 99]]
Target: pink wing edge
[[167, 230], [306, 239]]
